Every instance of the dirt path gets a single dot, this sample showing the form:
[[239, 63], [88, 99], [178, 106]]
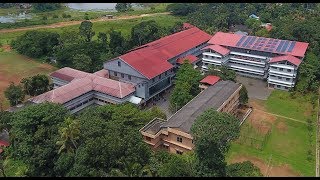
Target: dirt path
[[292, 119], [70, 23], [266, 169]]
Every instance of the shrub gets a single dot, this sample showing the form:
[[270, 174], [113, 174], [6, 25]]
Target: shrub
[[44, 18], [64, 15], [55, 16]]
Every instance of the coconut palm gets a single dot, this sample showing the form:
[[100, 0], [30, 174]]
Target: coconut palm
[[69, 134]]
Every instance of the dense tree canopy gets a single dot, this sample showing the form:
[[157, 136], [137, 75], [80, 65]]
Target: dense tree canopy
[[223, 72], [187, 86], [42, 7], [36, 85], [212, 131], [85, 30], [34, 134], [144, 32], [36, 43], [14, 93], [122, 7], [243, 99]]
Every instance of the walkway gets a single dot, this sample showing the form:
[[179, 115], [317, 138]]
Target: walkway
[[281, 116], [70, 23]]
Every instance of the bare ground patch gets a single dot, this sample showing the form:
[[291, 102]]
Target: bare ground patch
[[282, 127], [267, 171]]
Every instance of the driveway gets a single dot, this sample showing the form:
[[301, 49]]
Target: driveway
[[257, 89]]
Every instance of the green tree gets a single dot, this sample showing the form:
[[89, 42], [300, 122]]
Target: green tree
[[34, 134], [181, 9], [82, 62], [69, 134], [36, 43], [243, 169], [85, 30], [36, 85], [144, 32], [117, 42], [122, 7], [43, 7], [14, 93], [212, 132], [223, 72], [243, 95], [187, 86], [102, 37]]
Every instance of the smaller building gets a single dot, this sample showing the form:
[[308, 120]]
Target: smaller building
[[109, 16], [194, 60], [209, 80], [173, 135], [253, 16]]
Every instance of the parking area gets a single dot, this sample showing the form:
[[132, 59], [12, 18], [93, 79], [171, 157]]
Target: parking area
[[257, 89]]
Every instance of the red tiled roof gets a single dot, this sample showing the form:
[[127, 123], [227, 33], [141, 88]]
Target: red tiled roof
[[83, 85], [289, 58], [68, 74], [102, 73], [4, 143], [210, 79], [217, 48], [231, 40], [190, 57], [152, 59]]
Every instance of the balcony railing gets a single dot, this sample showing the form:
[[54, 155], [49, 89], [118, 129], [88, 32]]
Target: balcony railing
[[279, 81], [282, 66], [281, 73], [212, 54], [248, 68], [247, 62], [248, 55]]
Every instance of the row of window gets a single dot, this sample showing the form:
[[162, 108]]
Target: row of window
[[211, 57], [122, 75], [160, 75], [87, 101], [280, 69], [278, 77]]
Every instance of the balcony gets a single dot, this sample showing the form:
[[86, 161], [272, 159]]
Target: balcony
[[281, 82], [248, 55], [281, 73], [248, 62], [282, 66], [246, 68], [212, 54]]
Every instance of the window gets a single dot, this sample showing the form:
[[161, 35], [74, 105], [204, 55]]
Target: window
[[129, 77], [148, 138], [165, 73], [122, 75], [289, 70], [179, 152], [287, 79], [279, 77], [119, 63], [115, 73], [278, 86], [160, 76], [281, 69], [139, 85], [153, 80], [179, 139], [192, 141]]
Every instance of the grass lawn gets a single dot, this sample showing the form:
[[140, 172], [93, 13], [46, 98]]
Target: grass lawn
[[43, 18], [289, 141], [124, 26], [14, 67]]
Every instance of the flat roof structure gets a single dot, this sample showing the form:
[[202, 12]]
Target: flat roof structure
[[190, 57], [263, 44], [213, 97], [289, 58]]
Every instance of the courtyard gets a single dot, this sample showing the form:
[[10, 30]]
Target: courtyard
[[257, 89]]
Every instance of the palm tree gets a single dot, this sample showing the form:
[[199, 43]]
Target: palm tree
[[69, 134]]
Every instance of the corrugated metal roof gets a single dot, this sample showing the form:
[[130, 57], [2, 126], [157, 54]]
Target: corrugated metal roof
[[152, 59], [254, 43], [210, 79], [289, 58], [217, 48], [191, 59]]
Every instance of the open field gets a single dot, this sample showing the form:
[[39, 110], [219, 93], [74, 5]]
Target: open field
[[123, 25], [45, 18], [14, 67], [284, 151]]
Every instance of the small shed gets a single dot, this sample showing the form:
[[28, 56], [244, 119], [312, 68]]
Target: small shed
[[109, 16], [209, 80]]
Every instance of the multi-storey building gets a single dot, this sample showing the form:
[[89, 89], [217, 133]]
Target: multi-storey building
[[264, 58], [174, 134], [151, 67], [76, 90]]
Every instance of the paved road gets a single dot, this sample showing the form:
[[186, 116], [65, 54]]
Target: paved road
[[70, 23]]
